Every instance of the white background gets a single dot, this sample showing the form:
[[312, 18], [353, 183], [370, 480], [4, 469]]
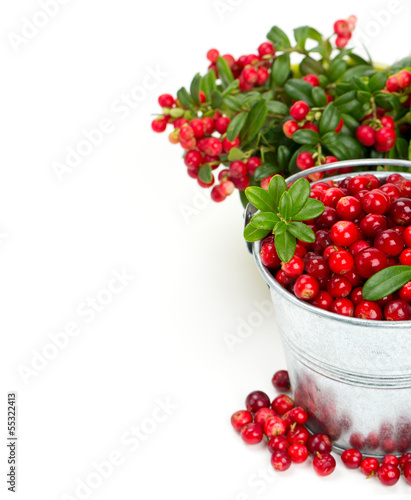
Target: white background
[[162, 336]]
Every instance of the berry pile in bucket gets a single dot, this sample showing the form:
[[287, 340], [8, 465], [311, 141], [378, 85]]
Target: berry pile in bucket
[[282, 426], [343, 246]]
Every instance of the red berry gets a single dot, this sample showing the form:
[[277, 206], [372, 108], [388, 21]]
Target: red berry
[[274, 426], [312, 79], [283, 278], [358, 183], [227, 145], [357, 246], [250, 75], [278, 443], [385, 139], [348, 208], [404, 79], [403, 461], [339, 126], [262, 76], [356, 296], [392, 84], [390, 242], [391, 459], [208, 125], [282, 404], [324, 464], [281, 380], [213, 147], [341, 262], [369, 466], [298, 415], [387, 121], [331, 197], [372, 224], [217, 194], [159, 125], [241, 183], [368, 310], [280, 461], [407, 472], [405, 292], [394, 178], [237, 169], [298, 453], [299, 110], [323, 300], [298, 434], [262, 415], [269, 256], [369, 261], [339, 286], [319, 443], [294, 267], [400, 212], [241, 418], [212, 55], [343, 306], [265, 49], [388, 474], [397, 310], [310, 126], [341, 28], [306, 287], [351, 458], [256, 400], [344, 233], [407, 236], [289, 128], [221, 124], [405, 257], [252, 164], [393, 191], [252, 433], [322, 240], [305, 160], [166, 101], [366, 135], [202, 96], [193, 159], [375, 202]]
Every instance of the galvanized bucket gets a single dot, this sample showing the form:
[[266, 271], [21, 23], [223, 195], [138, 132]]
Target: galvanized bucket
[[353, 376]]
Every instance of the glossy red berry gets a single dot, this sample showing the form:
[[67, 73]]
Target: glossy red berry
[[391, 459], [324, 464], [294, 267], [327, 218], [385, 139], [372, 224], [252, 164], [312, 79], [366, 135], [400, 212], [388, 474], [252, 433], [305, 160], [237, 169], [298, 453], [319, 443], [166, 101], [289, 128], [262, 415], [344, 233], [280, 460], [281, 380], [348, 208], [278, 443], [397, 310], [341, 262], [351, 458], [274, 426], [256, 400], [217, 194], [404, 79], [342, 306], [390, 242], [356, 295], [298, 415], [375, 202], [331, 197], [369, 261], [405, 257], [306, 287], [299, 110], [241, 418], [159, 125], [266, 48], [369, 466], [368, 310], [298, 434], [358, 183], [282, 404], [228, 145], [407, 472], [323, 300]]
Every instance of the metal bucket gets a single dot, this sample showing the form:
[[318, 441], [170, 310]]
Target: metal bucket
[[353, 376]]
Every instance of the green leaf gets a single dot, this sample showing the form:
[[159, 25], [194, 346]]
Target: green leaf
[[233, 102], [337, 69], [311, 210], [377, 81], [279, 38], [299, 90], [235, 126], [260, 199], [276, 188], [361, 70], [205, 174], [401, 146], [266, 170], [319, 97], [310, 65], [208, 84], [301, 34], [255, 121], [299, 193], [195, 88], [280, 227], [216, 99], [277, 107], [401, 64], [233, 86], [224, 72], [348, 103], [332, 142], [252, 233], [385, 100], [386, 281], [283, 157], [184, 97], [281, 69], [330, 119], [306, 136], [353, 149], [301, 231], [285, 245], [236, 154], [364, 97], [360, 83], [285, 206], [265, 220], [351, 123]]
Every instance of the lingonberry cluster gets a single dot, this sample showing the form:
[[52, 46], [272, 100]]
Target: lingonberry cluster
[[343, 29], [258, 115], [364, 228], [282, 426], [388, 471]]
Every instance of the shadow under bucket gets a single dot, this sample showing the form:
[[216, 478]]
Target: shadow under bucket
[[353, 376]]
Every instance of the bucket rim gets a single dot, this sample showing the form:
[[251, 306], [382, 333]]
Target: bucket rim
[[272, 282]]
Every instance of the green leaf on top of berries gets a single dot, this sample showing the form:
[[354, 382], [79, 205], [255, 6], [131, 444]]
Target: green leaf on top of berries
[[385, 282], [281, 213]]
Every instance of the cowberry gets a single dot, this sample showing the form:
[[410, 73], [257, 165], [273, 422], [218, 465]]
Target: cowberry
[[371, 224], [298, 453], [228, 145], [339, 286], [198, 127], [305, 160], [390, 242], [324, 464], [252, 164], [394, 178], [407, 472], [356, 295], [299, 110], [278, 443], [375, 202], [237, 169], [283, 278], [351, 458], [342, 306], [397, 310], [282, 403], [348, 208], [262, 415], [166, 101], [400, 212], [344, 233], [241, 418], [405, 257], [298, 434], [331, 197], [266, 48], [358, 183], [391, 459], [322, 240], [280, 460], [159, 125], [388, 474], [357, 246], [369, 261], [306, 287], [256, 400], [213, 147], [327, 218], [404, 460], [221, 124], [274, 426], [289, 128], [281, 380], [294, 267], [369, 466], [320, 443], [212, 55], [393, 191], [366, 135], [252, 433], [368, 310], [323, 300], [341, 262], [312, 79], [241, 183], [404, 79], [250, 75], [217, 194], [193, 159], [298, 415], [385, 139]]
